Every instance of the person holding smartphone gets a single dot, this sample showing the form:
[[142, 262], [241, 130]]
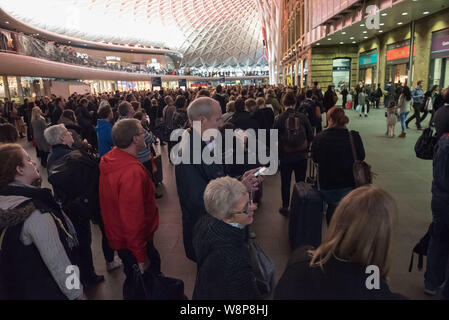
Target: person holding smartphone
[[192, 179]]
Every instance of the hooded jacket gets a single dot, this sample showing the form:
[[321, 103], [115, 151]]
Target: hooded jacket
[[224, 263], [128, 204], [104, 136]]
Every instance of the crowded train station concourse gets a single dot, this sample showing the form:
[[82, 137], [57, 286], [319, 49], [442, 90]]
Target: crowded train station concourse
[[148, 149]]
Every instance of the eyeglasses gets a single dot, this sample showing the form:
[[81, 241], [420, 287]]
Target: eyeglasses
[[244, 211]]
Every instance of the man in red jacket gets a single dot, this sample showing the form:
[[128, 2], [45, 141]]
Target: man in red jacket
[[127, 199]]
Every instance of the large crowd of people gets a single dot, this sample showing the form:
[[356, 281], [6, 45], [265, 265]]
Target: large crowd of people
[[100, 154]]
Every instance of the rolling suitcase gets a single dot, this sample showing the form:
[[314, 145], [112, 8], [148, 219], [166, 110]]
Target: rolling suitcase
[[306, 216]]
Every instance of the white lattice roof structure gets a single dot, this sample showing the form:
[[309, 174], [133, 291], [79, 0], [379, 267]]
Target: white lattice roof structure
[[209, 33]]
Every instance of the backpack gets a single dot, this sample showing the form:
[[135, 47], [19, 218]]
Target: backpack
[[312, 111], [425, 145], [294, 137], [75, 181], [421, 249]]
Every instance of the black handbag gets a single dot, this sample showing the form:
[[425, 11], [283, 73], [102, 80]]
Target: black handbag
[[421, 249], [425, 145], [150, 286], [263, 268], [361, 170], [162, 132]]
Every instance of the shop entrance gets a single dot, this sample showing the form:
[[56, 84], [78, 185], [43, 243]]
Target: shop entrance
[[397, 73], [439, 63], [341, 72], [398, 58], [439, 72], [367, 76], [368, 67]]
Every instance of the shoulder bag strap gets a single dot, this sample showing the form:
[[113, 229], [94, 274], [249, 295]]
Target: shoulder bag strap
[[351, 141]]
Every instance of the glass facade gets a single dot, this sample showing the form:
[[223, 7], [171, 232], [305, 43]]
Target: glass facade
[[439, 59], [341, 72]]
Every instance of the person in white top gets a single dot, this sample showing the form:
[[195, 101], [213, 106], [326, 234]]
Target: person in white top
[[404, 104]]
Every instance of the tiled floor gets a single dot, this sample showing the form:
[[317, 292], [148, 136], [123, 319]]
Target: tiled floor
[[398, 171]]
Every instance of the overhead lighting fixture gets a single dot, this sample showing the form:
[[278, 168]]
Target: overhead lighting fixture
[[37, 34], [380, 31], [384, 14], [70, 41], [362, 25], [404, 13], [399, 23], [329, 39], [382, 24], [365, 37], [351, 38], [7, 22], [341, 42], [343, 32], [318, 44], [365, 31], [354, 42], [426, 12]]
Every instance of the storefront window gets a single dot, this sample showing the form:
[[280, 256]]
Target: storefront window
[[439, 63], [341, 72], [398, 56], [2, 88], [368, 67], [306, 70], [294, 74], [13, 90], [397, 73]]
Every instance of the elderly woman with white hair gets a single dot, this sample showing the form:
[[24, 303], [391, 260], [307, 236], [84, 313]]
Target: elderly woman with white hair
[[224, 264], [61, 141]]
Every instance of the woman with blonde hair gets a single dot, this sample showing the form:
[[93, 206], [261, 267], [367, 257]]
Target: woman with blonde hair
[[353, 260], [39, 125]]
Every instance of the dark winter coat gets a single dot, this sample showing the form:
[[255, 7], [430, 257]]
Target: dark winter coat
[[331, 150], [338, 280], [191, 181], [224, 263]]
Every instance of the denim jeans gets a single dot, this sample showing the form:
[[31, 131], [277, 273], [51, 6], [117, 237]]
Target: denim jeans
[[296, 163], [129, 261], [402, 118], [438, 251], [332, 198]]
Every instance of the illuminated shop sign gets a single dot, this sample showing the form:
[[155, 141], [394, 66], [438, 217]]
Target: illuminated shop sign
[[82, 55], [368, 59], [440, 41], [399, 51], [156, 81], [112, 58]]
